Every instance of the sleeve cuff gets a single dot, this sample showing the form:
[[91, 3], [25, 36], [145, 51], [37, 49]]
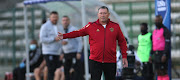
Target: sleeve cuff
[[124, 56], [64, 36]]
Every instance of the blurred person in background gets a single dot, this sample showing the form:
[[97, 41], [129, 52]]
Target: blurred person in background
[[133, 71], [72, 52], [160, 49], [59, 73], [35, 59], [119, 66], [144, 50], [40, 71], [51, 46]]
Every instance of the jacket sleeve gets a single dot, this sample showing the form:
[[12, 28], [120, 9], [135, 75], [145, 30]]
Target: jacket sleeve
[[81, 32], [35, 58], [80, 45], [44, 38], [167, 36], [122, 43]]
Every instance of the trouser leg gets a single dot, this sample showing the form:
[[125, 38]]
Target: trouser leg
[[95, 70]]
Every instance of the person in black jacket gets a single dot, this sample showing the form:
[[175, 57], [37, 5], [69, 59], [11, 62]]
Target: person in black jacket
[[35, 56], [160, 49]]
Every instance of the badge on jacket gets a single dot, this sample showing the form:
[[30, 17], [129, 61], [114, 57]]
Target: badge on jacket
[[111, 29], [97, 30]]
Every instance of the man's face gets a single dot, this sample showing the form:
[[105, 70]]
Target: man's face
[[158, 20], [33, 45], [65, 22], [54, 18], [103, 15], [143, 29]]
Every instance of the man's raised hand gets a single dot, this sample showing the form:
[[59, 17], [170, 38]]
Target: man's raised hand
[[60, 36]]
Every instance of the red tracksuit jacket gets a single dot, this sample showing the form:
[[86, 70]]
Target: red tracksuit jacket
[[102, 40]]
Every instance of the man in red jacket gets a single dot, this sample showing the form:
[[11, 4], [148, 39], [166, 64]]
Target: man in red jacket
[[103, 35]]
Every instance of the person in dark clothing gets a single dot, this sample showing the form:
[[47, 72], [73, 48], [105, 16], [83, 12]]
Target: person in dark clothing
[[59, 73], [35, 57], [160, 49], [72, 52], [144, 50], [51, 46]]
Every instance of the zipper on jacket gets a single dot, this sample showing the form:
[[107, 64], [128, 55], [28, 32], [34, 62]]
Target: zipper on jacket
[[104, 43]]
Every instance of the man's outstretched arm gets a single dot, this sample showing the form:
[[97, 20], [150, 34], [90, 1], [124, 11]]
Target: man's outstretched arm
[[81, 32]]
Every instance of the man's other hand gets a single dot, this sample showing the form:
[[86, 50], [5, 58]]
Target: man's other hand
[[64, 42], [78, 56], [125, 62], [163, 59], [150, 59]]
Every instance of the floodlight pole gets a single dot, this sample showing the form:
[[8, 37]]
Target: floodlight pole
[[85, 41], [27, 43]]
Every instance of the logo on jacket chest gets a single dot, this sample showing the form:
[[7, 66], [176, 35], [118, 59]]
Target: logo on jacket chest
[[97, 30], [111, 29]]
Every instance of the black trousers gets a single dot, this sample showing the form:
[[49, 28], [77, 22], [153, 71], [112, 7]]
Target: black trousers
[[96, 69], [79, 70], [19, 73], [147, 71], [52, 62], [72, 62], [157, 61]]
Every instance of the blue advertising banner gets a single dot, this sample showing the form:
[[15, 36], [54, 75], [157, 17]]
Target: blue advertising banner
[[28, 2], [163, 8]]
